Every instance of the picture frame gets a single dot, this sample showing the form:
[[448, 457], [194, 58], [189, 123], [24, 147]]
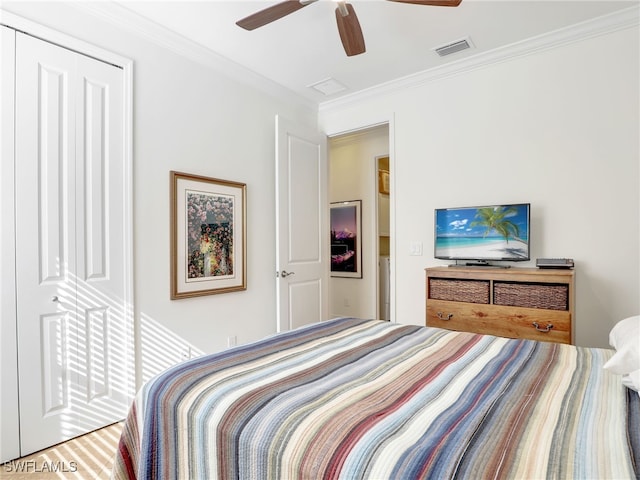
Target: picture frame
[[345, 220], [208, 235], [383, 182]]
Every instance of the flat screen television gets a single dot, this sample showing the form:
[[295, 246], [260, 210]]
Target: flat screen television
[[483, 234]]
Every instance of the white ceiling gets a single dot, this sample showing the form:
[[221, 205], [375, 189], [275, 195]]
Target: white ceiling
[[304, 48]]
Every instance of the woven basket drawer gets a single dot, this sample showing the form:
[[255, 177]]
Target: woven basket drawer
[[532, 295], [454, 290]]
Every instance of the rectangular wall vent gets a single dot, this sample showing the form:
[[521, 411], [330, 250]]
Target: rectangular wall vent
[[453, 47]]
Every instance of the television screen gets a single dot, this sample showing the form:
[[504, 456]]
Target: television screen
[[495, 232]]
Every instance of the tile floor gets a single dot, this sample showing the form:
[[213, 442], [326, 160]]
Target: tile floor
[[88, 457]]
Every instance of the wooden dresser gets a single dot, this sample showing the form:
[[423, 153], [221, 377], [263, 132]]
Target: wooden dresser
[[530, 303]]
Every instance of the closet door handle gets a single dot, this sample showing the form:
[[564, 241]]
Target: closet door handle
[[55, 298]]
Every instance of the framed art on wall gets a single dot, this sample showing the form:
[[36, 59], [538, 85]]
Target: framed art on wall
[[208, 235], [346, 243], [383, 181]]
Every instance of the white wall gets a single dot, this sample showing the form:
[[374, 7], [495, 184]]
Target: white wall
[[353, 176], [559, 129], [189, 118]]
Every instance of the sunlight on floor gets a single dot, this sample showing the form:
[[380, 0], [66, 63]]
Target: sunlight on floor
[[87, 457]]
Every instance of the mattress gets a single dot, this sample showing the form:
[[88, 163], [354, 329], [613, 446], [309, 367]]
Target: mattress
[[352, 398]]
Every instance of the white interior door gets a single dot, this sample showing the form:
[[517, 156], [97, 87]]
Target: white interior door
[[302, 233], [74, 333]]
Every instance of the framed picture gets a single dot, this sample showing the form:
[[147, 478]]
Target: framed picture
[[346, 242], [383, 181], [208, 236]]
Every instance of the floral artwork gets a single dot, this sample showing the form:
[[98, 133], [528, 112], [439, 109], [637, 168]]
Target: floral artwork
[[208, 235]]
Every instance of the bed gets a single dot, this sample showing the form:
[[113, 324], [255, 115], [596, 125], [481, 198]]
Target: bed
[[352, 398]]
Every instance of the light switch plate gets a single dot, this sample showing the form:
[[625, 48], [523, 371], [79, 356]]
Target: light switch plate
[[415, 249]]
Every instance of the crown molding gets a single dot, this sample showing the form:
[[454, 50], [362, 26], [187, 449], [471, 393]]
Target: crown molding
[[120, 16], [623, 19]]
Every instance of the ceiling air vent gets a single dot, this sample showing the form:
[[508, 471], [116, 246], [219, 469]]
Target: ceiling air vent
[[453, 47], [328, 86]]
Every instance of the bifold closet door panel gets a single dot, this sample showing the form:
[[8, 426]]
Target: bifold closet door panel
[[45, 239], [69, 243], [105, 336]]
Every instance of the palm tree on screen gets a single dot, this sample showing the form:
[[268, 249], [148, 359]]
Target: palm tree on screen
[[496, 218]]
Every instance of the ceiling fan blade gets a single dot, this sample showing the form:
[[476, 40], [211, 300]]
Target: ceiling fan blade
[[349, 29], [271, 14], [434, 3]]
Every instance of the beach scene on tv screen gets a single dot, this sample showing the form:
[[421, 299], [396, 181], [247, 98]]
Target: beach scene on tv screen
[[484, 233]]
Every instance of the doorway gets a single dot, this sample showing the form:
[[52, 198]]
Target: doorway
[[383, 237], [353, 176]]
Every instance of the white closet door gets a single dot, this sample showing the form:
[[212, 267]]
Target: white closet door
[[73, 340]]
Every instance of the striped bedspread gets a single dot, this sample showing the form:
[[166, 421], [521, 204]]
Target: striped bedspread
[[351, 398]]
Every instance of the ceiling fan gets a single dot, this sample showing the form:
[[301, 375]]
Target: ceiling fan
[[348, 25]]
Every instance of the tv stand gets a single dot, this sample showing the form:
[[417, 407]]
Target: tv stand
[[518, 303]]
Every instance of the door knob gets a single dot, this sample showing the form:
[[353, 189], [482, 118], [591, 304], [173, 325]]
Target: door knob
[[55, 298], [286, 274]]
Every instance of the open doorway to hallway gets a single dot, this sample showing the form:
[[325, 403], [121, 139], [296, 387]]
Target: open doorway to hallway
[[383, 237], [354, 175]]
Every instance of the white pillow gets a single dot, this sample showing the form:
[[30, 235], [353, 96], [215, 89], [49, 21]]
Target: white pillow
[[625, 338], [632, 380]]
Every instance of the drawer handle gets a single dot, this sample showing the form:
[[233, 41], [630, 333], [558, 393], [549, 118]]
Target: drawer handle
[[442, 316], [543, 330]]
